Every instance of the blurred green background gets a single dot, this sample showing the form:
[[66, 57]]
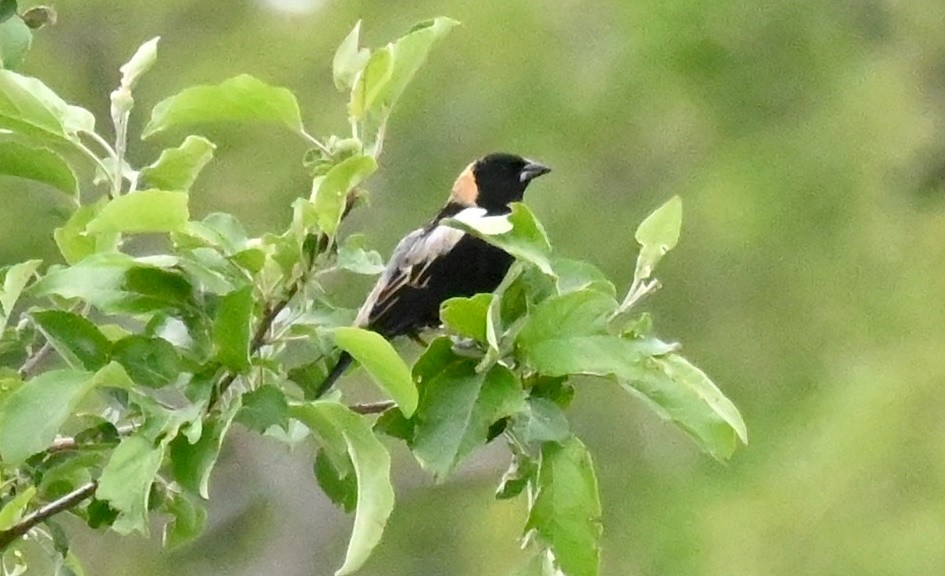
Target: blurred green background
[[807, 139]]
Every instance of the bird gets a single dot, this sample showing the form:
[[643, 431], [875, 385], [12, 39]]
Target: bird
[[437, 262]]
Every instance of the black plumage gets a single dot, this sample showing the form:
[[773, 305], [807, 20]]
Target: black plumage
[[436, 262]]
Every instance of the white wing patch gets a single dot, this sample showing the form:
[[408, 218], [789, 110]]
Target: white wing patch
[[407, 267]]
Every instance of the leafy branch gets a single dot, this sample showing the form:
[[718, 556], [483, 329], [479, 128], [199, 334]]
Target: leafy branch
[[152, 359]]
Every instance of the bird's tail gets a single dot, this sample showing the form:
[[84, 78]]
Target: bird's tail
[[343, 362]]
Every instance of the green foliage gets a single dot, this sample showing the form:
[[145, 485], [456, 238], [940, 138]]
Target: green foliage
[[343, 432], [382, 363], [37, 164], [177, 168], [148, 361], [31, 416], [15, 36], [125, 482], [243, 98], [566, 511]]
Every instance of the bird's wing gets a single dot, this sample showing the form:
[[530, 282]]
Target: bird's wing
[[407, 267]]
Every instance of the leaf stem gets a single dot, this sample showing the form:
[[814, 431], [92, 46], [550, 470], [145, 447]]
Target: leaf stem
[[637, 292], [121, 138], [315, 142], [116, 157], [94, 157]]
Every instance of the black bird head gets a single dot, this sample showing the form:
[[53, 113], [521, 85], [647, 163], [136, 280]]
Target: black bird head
[[495, 181]]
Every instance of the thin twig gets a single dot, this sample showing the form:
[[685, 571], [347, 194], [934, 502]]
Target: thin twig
[[35, 359], [259, 336], [637, 292], [373, 407], [42, 514], [66, 443], [315, 142]]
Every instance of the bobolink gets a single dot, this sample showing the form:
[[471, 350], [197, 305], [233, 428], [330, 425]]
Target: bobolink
[[436, 262]]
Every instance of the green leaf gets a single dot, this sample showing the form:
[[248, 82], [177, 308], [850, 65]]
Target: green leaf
[[15, 41], [80, 343], [566, 511], [217, 230], [32, 414], [457, 406], [352, 256], [113, 375], [391, 68], [177, 168], [231, 330], [331, 191], [263, 408], [141, 212], [251, 260], [192, 464], [37, 164], [372, 469], [467, 316], [520, 473], [64, 476], [410, 52], [99, 514], [142, 61], [29, 107], [188, 519], [211, 272], [682, 393], [394, 424], [238, 99], [526, 241], [349, 60], [595, 355], [371, 82], [102, 272], [154, 288], [126, 481], [340, 486], [575, 275], [567, 335], [73, 241], [7, 9], [150, 362], [569, 315], [380, 360], [98, 279], [13, 510], [15, 278], [543, 421], [657, 235]]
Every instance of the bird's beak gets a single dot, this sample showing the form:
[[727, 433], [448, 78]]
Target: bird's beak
[[533, 170]]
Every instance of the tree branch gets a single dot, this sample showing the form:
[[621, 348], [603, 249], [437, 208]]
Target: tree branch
[[33, 362], [29, 521], [66, 443], [373, 407], [259, 336]]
